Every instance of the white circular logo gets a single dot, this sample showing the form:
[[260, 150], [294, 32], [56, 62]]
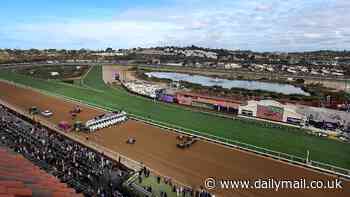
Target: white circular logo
[[210, 183]]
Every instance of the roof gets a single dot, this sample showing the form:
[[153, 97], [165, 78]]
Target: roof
[[209, 97], [19, 177], [325, 114], [270, 102], [264, 103]]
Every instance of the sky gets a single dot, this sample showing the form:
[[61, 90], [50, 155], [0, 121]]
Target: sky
[[259, 25]]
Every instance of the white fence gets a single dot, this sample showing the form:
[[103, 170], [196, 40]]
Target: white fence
[[319, 166], [131, 164], [315, 165]]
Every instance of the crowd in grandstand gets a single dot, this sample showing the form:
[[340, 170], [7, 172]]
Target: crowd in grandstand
[[85, 170]]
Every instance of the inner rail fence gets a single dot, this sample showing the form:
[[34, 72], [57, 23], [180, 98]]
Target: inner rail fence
[[292, 159], [136, 166]]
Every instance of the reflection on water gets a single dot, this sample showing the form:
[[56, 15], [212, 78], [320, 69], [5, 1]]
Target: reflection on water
[[226, 83]]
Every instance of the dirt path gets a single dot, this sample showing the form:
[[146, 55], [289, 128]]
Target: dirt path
[[108, 73], [336, 85], [157, 149]]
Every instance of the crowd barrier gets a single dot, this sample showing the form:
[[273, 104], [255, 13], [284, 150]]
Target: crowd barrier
[[131, 164], [319, 166], [292, 159], [116, 156]]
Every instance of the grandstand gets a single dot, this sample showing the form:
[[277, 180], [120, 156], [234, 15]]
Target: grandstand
[[106, 120], [325, 118], [295, 114], [19, 177], [71, 164], [144, 89]]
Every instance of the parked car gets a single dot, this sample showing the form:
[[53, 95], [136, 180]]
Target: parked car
[[46, 113]]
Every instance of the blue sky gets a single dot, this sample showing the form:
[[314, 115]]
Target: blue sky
[[261, 25]]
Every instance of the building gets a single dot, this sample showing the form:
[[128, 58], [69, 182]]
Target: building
[[248, 109], [54, 74], [174, 64], [272, 110], [292, 116], [144, 89], [232, 66], [322, 118], [20, 177], [325, 118], [208, 102]]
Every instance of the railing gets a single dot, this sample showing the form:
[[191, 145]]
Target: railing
[[132, 164], [128, 162], [319, 166]]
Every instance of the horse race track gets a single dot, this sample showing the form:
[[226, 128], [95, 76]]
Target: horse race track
[[156, 148]]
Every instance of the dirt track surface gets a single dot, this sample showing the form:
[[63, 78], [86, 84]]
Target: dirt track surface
[[109, 71], [156, 148]]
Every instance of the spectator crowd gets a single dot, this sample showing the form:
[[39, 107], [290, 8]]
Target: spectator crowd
[[85, 170], [176, 190]]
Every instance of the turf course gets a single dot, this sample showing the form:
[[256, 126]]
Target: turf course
[[290, 141]]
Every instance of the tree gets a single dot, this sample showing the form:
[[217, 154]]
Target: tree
[[109, 50], [82, 50], [34, 51]]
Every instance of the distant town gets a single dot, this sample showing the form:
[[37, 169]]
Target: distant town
[[333, 64], [285, 106], [175, 98]]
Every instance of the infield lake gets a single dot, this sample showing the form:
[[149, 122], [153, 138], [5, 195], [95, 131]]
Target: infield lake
[[228, 84]]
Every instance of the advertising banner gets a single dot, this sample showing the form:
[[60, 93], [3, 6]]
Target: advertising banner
[[270, 112]]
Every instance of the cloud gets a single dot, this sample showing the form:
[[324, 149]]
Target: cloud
[[263, 8], [197, 25], [98, 34], [312, 35], [277, 25]]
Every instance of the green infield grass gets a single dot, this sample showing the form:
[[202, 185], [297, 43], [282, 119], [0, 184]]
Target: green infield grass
[[285, 139]]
